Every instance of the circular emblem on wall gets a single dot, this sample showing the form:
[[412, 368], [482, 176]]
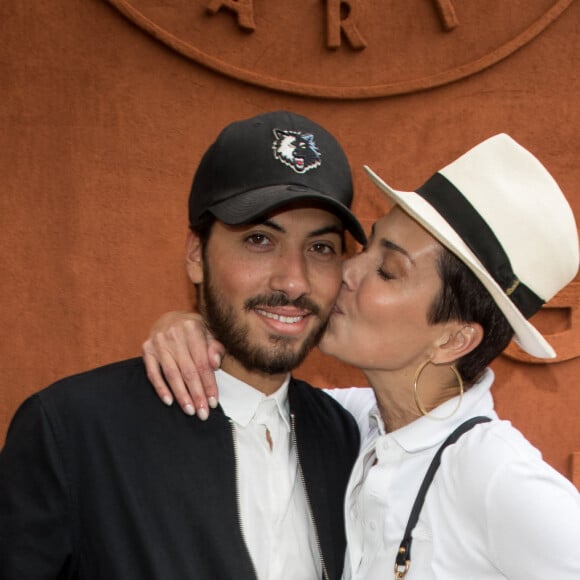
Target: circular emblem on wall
[[344, 49]]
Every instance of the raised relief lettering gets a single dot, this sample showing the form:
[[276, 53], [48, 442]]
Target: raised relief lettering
[[432, 57], [340, 20], [243, 8], [447, 14]]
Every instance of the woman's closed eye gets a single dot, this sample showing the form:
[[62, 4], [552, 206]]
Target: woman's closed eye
[[384, 275]]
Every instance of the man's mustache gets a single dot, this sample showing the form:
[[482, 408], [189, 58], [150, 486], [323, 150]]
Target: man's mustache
[[280, 299]]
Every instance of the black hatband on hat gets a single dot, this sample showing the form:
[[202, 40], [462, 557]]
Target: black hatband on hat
[[452, 205]]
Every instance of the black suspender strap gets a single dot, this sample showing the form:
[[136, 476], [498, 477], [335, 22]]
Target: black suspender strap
[[403, 560]]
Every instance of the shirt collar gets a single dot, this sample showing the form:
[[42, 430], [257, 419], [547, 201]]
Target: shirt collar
[[240, 401], [427, 432]]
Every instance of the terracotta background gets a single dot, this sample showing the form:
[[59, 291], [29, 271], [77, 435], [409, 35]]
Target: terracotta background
[[102, 128]]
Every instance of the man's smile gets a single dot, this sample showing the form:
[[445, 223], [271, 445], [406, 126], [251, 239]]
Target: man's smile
[[280, 317]]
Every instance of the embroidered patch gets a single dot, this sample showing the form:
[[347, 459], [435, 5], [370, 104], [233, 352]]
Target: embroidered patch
[[297, 150]]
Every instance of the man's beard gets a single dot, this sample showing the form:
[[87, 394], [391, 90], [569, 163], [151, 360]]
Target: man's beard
[[279, 356]]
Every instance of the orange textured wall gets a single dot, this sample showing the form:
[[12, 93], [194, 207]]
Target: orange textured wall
[[104, 120]]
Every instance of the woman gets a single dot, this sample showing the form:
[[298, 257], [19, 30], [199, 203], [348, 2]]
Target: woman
[[448, 277]]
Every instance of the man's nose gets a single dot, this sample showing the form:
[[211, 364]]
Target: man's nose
[[291, 275]]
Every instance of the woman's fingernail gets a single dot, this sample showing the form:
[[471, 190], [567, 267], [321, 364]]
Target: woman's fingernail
[[218, 360], [168, 400], [202, 413], [212, 402], [189, 410]]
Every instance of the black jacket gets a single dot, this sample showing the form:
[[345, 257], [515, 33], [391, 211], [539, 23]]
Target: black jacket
[[99, 480]]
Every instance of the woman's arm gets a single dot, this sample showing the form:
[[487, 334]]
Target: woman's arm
[[533, 517], [181, 356]]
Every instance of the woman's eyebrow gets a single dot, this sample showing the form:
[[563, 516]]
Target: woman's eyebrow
[[388, 245]]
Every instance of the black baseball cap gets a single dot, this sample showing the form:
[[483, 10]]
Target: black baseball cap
[[259, 165]]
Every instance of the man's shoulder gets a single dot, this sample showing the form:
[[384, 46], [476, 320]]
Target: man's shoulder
[[128, 369], [120, 379], [115, 398]]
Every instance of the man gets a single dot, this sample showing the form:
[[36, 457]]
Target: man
[[99, 481]]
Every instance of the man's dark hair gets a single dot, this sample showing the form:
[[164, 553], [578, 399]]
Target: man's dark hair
[[463, 298], [203, 229]]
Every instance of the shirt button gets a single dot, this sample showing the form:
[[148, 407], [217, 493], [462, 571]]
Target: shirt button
[[385, 445], [373, 525]]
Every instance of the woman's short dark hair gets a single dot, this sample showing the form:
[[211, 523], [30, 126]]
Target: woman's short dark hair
[[463, 298]]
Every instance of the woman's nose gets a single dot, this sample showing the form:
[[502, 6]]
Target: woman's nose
[[350, 271]]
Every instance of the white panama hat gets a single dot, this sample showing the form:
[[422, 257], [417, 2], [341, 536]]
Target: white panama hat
[[501, 213]]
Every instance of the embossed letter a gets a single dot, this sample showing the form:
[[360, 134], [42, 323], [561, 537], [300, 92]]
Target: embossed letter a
[[243, 8]]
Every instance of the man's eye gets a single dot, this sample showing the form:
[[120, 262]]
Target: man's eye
[[258, 239], [323, 248]]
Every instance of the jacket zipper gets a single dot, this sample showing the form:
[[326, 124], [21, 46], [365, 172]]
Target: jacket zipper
[[238, 499], [303, 480]]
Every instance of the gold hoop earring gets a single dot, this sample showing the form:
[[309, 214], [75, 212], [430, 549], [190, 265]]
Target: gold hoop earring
[[425, 413]]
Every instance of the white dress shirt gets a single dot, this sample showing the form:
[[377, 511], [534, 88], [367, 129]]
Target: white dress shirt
[[276, 521], [494, 511]]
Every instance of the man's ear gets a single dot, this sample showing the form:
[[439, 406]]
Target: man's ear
[[194, 258], [458, 340]]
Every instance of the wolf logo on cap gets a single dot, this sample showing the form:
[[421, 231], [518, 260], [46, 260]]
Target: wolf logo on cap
[[296, 150]]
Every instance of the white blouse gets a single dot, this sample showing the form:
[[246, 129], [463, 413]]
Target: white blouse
[[495, 509]]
